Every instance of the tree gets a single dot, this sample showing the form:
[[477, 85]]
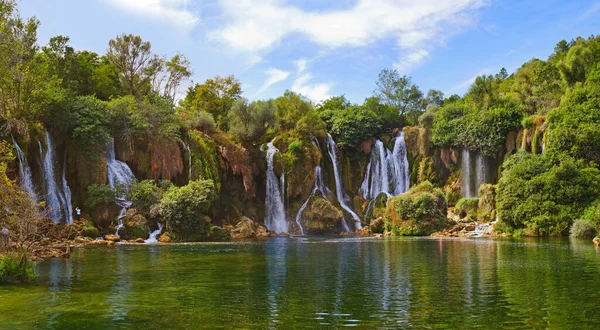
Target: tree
[[18, 80], [398, 91], [171, 74], [249, 121], [215, 96], [136, 64], [290, 108], [482, 91]]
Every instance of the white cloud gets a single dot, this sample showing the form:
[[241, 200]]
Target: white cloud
[[273, 76], [301, 65], [257, 26], [412, 60], [316, 92], [466, 83], [175, 12]]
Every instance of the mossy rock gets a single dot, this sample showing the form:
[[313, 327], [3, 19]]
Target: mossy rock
[[378, 209], [420, 211], [378, 225], [467, 207], [321, 217], [89, 230], [487, 202], [137, 226]]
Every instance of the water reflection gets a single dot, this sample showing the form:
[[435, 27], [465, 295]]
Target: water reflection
[[275, 255], [315, 283]]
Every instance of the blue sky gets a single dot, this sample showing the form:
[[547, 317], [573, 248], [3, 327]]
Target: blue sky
[[328, 47]]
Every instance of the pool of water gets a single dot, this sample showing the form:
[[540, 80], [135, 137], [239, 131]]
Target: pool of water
[[315, 283]]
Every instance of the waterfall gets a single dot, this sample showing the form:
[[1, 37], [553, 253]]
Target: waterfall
[[56, 201], [154, 234], [465, 166], [377, 177], [339, 188], [400, 165], [121, 176], [319, 185], [67, 193], [474, 172], [387, 171], [275, 218], [481, 172], [25, 177]]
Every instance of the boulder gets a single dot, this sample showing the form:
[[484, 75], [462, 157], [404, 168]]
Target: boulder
[[139, 240], [245, 228], [112, 238], [262, 231], [321, 217], [164, 238], [422, 210], [136, 225]]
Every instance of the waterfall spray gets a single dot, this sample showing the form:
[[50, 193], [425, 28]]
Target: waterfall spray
[[275, 210], [339, 188], [119, 174], [57, 202], [25, 177]]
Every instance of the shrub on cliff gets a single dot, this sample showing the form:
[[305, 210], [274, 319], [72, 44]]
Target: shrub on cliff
[[420, 211], [467, 207], [543, 198], [144, 195], [184, 209]]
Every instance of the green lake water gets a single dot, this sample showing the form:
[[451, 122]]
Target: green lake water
[[292, 283]]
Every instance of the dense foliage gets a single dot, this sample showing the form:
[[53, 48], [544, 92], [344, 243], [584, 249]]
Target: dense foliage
[[544, 198], [185, 209], [420, 211]]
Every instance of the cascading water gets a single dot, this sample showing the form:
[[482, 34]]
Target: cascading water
[[275, 218], [339, 188], [187, 147], [465, 166], [67, 193], [153, 235], [119, 174], [387, 171], [25, 177], [57, 202], [475, 172], [319, 185], [481, 172], [400, 162]]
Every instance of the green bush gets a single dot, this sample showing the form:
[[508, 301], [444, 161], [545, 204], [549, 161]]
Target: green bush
[[583, 229], [89, 230], [144, 195], [543, 197], [527, 122], [353, 125], [184, 209], [14, 267], [249, 122], [420, 211], [202, 121], [99, 195], [467, 206]]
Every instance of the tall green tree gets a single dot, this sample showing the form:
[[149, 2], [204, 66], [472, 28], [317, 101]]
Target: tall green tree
[[215, 96], [398, 91], [136, 64]]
